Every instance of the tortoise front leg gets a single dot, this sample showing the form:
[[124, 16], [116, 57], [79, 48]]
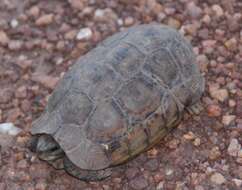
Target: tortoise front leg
[[86, 175], [195, 108]]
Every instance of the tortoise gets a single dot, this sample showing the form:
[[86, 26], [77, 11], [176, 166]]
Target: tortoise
[[118, 100]]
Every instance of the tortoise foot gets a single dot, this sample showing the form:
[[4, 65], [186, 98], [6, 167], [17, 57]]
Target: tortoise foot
[[85, 175], [195, 109]]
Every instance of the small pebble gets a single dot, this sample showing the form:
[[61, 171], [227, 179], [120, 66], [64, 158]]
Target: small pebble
[[231, 44], [15, 45], [151, 165], [189, 136], [217, 178], [129, 21], [6, 95], [71, 35], [227, 119], [152, 152], [206, 19], [21, 92], [193, 10], [238, 182], [47, 81], [219, 94], [84, 34], [34, 11], [99, 14], [1, 115], [175, 23], [45, 20], [77, 4], [218, 10], [202, 60], [197, 142], [9, 129], [234, 147], [14, 23], [160, 186], [214, 110], [3, 38], [173, 144], [240, 153], [232, 103], [41, 185], [131, 172], [199, 187], [22, 164], [214, 153], [139, 183], [169, 171]]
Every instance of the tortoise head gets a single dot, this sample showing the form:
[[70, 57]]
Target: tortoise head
[[46, 147]]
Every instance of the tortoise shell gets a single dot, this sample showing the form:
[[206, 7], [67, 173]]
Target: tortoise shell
[[122, 97]]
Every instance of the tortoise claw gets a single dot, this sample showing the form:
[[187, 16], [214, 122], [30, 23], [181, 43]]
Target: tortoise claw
[[195, 108]]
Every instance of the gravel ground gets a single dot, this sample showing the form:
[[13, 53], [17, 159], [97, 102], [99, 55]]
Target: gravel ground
[[39, 40]]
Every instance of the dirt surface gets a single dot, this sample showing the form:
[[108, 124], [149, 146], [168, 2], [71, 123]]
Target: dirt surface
[[40, 39]]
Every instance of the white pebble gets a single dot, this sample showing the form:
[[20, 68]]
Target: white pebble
[[9, 129], [99, 13], [238, 182], [84, 34], [120, 22], [14, 23]]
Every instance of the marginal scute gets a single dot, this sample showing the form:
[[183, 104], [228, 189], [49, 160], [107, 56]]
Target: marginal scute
[[81, 151], [47, 123], [155, 122], [114, 40], [137, 138], [170, 109]]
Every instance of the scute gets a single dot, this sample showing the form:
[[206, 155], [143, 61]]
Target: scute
[[126, 59], [107, 122], [75, 108], [139, 97], [62, 88], [184, 57], [97, 80], [161, 64]]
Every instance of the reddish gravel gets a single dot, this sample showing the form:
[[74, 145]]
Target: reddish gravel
[[40, 40]]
